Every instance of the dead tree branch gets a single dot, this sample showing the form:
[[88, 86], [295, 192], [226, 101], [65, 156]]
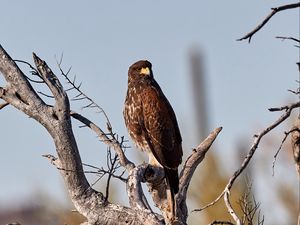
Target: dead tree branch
[[191, 164], [226, 192], [265, 21], [230, 209], [250, 207], [81, 95], [288, 38], [189, 168], [112, 164], [112, 142], [286, 134]]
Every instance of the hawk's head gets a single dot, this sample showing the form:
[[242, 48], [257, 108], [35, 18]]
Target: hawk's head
[[139, 70]]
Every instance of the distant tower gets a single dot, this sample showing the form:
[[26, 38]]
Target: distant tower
[[199, 87]]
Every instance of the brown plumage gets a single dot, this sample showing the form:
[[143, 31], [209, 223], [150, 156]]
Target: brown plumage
[[152, 123]]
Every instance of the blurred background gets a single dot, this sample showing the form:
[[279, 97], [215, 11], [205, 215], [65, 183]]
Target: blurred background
[[210, 79]]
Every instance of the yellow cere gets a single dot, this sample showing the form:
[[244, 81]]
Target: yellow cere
[[145, 71]]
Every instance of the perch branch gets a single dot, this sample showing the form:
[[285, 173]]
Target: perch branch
[[135, 179], [134, 189], [273, 12]]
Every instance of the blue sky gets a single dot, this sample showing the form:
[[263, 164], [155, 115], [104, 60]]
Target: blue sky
[[100, 40]]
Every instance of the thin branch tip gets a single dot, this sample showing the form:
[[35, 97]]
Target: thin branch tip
[[274, 10], [37, 60], [49, 156], [3, 105], [218, 129]]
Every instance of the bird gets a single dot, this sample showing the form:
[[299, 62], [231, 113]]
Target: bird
[[152, 124]]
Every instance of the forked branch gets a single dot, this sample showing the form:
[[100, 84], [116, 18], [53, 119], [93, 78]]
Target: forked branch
[[265, 21], [112, 142], [189, 168]]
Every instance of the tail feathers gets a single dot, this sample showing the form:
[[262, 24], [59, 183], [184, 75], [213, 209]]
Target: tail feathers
[[172, 179], [173, 183]]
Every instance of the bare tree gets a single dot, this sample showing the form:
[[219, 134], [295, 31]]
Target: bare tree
[[95, 206], [56, 118]]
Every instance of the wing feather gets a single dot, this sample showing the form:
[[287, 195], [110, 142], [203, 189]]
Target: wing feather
[[161, 127]]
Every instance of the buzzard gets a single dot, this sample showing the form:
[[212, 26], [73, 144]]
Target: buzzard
[[152, 123]]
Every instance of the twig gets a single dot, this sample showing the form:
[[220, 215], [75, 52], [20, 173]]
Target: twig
[[103, 171], [297, 92], [33, 72], [97, 180], [92, 103], [273, 12], [210, 204], [286, 134], [288, 38], [250, 208], [48, 96], [112, 167], [221, 223], [54, 161], [27, 63], [3, 105], [112, 142], [279, 108]]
